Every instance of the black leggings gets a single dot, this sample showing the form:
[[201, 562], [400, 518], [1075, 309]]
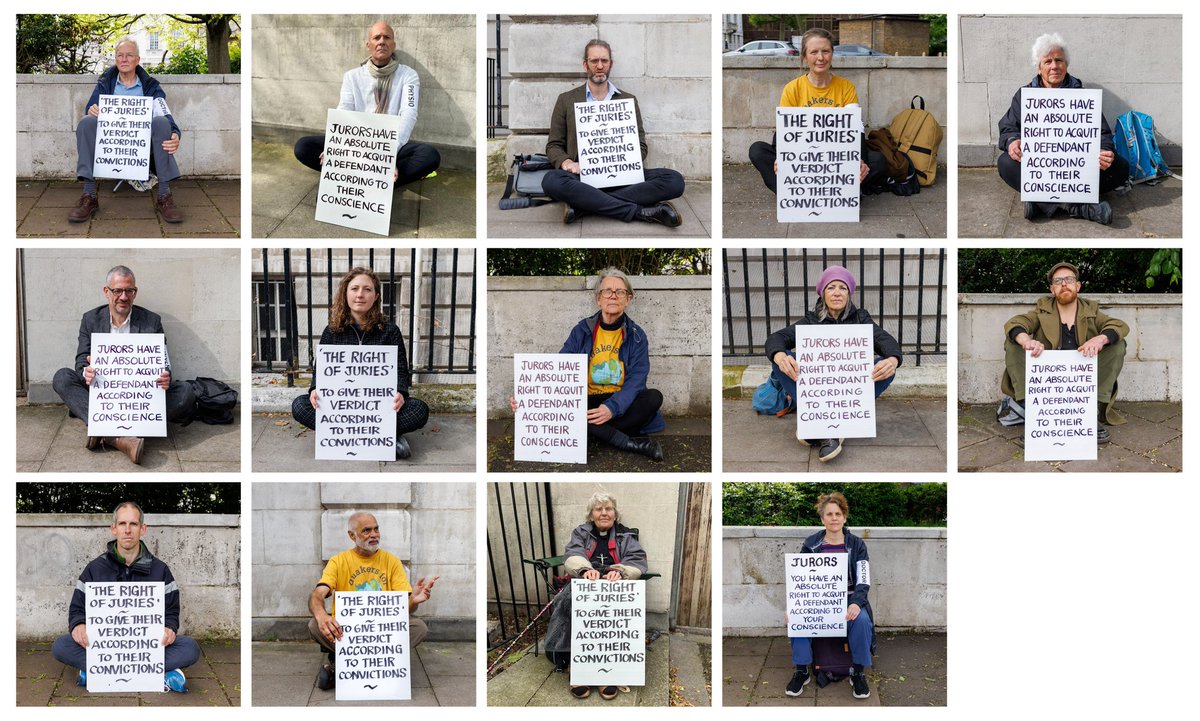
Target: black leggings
[[1111, 179], [414, 160], [639, 413], [762, 156]]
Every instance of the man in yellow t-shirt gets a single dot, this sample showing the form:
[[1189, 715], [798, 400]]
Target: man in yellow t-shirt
[[366, 567]]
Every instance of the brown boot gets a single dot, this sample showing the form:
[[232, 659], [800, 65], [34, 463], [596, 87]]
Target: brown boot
[[165, 205], [93, 442], [129, 445], [83, 211]]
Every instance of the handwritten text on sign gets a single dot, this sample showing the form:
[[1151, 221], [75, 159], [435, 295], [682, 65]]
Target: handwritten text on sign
[[124, 398], [125, 633], [551, 417], [835, 396], [608, 633], [373, 655], [819, 163], [357, 176], [357, 387], [1060, 145], [816, 594], [1060, 406], [123, 137], [610, 153]]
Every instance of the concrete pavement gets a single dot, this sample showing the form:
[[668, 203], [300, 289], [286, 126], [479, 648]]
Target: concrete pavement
[[1151, 440], [285, 201], [546, 221], [686, 444], [749, 212], [211, 209], [215, 680], [285, 674], [988, 208]]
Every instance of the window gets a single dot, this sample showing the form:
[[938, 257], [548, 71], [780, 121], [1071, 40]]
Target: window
[[153, 42]]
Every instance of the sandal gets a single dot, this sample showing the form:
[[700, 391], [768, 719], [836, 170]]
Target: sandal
[[608, 693], [581, 692]]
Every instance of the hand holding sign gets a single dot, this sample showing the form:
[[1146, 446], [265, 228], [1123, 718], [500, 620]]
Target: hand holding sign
[[123, 137], [1060, 145], [373, 654], [819, 164], [358, 170], [1060, 406], [126, 396], [127, 636], [356, 419], [610, 150], [550, 407], [835, 381], [816, 586], [608, 633]]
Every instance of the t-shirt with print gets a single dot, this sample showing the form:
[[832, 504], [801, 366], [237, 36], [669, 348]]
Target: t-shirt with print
[[800, 93], [348, 571], [606, 372]]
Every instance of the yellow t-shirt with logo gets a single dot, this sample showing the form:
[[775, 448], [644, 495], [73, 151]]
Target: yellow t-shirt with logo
[[606, 372], [800, 93], [348, 571]]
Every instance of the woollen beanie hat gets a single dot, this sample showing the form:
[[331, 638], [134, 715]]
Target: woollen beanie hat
[[832, 273]]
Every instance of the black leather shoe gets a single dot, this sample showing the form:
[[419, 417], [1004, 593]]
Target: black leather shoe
[[648, 447], [570, 215], [663, 214], [403, 450], [1030, 209]]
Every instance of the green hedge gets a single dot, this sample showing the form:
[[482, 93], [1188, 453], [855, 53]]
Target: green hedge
[[871, 504], [152, 497], [1102, 270], [587, 261]]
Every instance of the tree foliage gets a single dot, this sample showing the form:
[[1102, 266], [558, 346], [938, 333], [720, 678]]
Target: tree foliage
[[586, 261], [152, 497], [871, 504], [1102, 270], [788, 25], [62, 44], [937, 33]]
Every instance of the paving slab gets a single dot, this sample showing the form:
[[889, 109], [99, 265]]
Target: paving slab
[[545, 221], [686, 446]]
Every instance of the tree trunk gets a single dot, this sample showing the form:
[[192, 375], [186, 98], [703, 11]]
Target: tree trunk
[[216, 33]]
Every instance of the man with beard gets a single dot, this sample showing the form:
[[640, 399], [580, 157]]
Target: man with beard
[[645, 201], [1064, 321], [366, 567]]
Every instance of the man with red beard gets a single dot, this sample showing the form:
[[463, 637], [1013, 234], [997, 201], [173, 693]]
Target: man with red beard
[[1064, 321]]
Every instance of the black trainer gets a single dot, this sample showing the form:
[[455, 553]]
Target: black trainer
[[1031, 210], [403, 450], [1096, 212], [858, 680], [1102, 434], [326, 678], [799, 680], [830, 448]]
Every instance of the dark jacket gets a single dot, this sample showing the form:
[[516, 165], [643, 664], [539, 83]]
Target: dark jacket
[[857, 548], [1010, 124], [562, 143], [390, 335], [151, 88], [109, 566], [784, 339], [99, 320], [634, 354], [631, 556]]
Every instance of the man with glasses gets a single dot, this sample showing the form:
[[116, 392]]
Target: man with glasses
[[645, 201], [128, 77], [120, 315], [1064, 321]]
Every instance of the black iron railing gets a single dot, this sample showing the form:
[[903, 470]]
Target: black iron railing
[[522, 528]]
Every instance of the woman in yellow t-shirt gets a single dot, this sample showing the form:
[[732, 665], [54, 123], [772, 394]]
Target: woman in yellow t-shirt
[[817, 88]]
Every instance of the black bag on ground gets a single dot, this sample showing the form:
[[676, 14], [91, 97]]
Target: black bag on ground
[[215, 402], [901, 177], [526, 181], [831, 660]]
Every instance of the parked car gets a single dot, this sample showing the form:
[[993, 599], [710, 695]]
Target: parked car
[[766, 47], [856, 51]]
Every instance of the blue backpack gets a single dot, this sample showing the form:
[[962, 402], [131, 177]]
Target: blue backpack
[[770, 399], [1134, 141]]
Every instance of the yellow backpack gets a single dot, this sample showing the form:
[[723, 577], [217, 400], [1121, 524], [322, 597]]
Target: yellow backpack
[[918, 136]]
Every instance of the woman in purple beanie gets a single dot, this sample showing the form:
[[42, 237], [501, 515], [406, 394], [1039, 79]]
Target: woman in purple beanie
[[835, 290]]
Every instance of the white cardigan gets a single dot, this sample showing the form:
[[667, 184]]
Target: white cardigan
[[358, 93]]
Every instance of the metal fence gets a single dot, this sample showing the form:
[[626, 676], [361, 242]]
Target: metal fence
[[428, 293], [766, 289], [522, 528], [495, 103]]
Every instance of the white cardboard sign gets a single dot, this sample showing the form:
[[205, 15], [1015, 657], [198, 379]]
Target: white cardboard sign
[[374, 659], [124, 398], [608, 633], [816, 594], [819, 162], [125, 633], [610, 152], [1060, 145], [550, 423], [123, 137], [357, 385], [835, 396], [1060, 406], [357, 175]]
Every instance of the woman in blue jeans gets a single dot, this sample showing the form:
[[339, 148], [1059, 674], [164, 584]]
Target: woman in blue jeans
[[835, 290], [860, 628]]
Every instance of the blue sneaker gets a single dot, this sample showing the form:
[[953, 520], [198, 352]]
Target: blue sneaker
[[82, 678], [175, 681]]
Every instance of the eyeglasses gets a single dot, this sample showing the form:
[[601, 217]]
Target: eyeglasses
[[122, 291], [1065, 280], [618, 293], [126, 56]]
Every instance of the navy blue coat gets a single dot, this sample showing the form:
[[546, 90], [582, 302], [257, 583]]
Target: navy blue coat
[[109, 566], [151, 88], [1010, 124], [634, 354]]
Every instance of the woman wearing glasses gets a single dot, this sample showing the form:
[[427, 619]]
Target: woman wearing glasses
[[621, 409]]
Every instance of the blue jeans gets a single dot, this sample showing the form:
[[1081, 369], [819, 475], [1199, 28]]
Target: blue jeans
[[181, 654], [789, 385], [858, 633]]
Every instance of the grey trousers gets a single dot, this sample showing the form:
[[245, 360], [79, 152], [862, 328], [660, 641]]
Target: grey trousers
[[161, 162], [1109, 362]]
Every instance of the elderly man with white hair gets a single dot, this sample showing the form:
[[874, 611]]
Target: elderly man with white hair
[[1051, 58]]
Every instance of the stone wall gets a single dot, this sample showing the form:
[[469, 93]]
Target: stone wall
[[908, 577], [535, 315], [664, 60], [203, 552], [298, 527], [195, 291], [885, 86], [207, 109], [299, 61], [1137, 60], [1154, 347]]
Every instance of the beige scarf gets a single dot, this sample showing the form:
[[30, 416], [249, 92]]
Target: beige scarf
[[383, 82]]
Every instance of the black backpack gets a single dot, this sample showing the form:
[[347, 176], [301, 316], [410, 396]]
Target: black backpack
[[215, 401]]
